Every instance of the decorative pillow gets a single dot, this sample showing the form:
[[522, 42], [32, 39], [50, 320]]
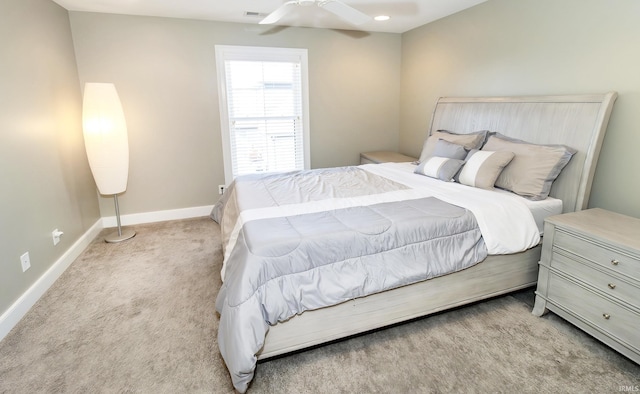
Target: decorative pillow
[[469, 141], [534, 167], [482, 168], [444, 148], [442, 168]]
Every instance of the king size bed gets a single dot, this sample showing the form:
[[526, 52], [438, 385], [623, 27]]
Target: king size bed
[[314, 256]]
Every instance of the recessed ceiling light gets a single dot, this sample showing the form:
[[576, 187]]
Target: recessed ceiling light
[[382, 18]]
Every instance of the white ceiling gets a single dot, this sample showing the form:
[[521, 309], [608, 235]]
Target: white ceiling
[[405, 15]]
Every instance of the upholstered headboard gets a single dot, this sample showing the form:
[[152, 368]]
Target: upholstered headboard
[[579, 122]]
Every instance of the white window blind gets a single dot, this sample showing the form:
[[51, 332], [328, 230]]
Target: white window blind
[[263, 106]]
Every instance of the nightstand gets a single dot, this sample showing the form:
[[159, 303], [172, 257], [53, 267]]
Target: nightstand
[[590, 276], [384, 157]]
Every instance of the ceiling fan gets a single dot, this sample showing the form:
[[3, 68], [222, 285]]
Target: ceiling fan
[[336, 7]]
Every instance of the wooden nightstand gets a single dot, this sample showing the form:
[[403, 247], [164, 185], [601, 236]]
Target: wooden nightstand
[[590, 276], [384, 157]]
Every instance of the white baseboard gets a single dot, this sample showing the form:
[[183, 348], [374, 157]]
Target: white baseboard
[[12, 316], [158, 216]]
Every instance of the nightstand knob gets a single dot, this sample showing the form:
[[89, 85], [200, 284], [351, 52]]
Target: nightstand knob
[[611, 286], [606, 316], [614, 262]]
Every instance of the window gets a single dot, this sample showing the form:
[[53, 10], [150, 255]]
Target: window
[[263, 109]]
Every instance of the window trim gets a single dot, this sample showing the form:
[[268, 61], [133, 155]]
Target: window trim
[[233, 52]]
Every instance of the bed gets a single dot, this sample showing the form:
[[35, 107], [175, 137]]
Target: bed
[[268, 220]]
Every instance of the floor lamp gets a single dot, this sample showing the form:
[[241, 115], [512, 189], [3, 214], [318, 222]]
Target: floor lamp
[[105, 139]]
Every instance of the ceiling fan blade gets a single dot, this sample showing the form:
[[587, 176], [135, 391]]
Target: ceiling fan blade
[[278, 13], [345, 12]]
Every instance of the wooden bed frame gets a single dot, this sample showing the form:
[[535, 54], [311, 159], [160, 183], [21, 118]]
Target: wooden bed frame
[[578, 121]]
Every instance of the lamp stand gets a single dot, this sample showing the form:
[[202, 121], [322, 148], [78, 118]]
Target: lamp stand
[[120, 235]]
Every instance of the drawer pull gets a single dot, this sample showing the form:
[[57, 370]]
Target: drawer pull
[[611, 286], [615, 262], [606, 316]]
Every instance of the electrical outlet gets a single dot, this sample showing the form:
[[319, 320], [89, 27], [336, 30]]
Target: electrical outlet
[[25, 261], [56, 234], [221, 189]]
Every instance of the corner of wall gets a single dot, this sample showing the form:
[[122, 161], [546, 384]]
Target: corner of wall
[[10, 318]]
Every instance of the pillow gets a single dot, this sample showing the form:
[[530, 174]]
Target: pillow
[[442, 168], [469, 141], [482, 168], [444, 148], [534, 167]]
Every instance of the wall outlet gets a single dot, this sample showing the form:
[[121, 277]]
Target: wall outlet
[[221, 189], [56, 234], [25, 261]]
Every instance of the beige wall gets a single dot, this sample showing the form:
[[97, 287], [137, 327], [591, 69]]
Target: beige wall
[[46, 182], [164, 70], [524, 47]]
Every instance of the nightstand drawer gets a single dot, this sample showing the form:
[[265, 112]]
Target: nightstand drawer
[[608, 316], [608, 284], [590, 275], [603, 256]]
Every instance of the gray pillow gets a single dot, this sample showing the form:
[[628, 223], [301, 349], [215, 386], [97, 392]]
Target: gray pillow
[[534, 167], [442, 168], [449, 150], [469, 141], [482, 168]]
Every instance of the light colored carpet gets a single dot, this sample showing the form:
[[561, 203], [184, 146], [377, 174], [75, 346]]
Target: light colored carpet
[[139, 317]]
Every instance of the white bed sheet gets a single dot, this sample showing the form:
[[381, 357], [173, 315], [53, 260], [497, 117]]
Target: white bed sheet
[[540, 210], [491, 210]]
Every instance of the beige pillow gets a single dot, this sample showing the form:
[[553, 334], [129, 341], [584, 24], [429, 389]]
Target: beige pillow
[[481, 168], [534, 167], [469, 141]]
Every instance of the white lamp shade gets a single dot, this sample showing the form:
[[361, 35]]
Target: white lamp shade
[[105, 137]]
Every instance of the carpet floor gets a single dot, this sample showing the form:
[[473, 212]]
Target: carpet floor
[[139, 317]]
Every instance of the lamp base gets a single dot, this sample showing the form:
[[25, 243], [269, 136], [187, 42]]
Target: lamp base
[[124, 235]]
